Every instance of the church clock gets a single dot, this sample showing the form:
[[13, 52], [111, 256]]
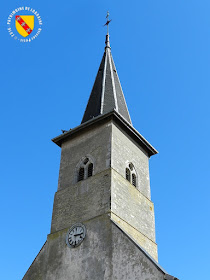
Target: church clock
[[75, 235]]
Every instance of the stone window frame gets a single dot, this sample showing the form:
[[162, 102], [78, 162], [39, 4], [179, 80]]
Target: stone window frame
[[131, 174], [84, 163]]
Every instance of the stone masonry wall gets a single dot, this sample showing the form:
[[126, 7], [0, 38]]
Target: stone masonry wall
[[105, 254], [82, 201], [131, 206], [125, 150], [95, 142], [75, 201], [133, 212]]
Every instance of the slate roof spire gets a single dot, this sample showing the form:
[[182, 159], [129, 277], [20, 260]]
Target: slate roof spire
[[106, 94]]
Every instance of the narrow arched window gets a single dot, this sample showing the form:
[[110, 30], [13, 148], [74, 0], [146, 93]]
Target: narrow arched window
[[90, 170], [81, 174], [128, 174], [134, 179], [85, 168]]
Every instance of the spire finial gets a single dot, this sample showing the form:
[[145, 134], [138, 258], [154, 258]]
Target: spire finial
[[107, 22], [107, 35]]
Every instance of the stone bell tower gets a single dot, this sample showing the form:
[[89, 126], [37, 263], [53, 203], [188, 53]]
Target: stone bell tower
[[103, 223]]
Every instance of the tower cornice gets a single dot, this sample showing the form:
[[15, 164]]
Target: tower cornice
[[118, 119]]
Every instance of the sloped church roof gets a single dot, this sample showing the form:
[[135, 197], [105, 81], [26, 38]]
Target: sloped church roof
[[106, 94]]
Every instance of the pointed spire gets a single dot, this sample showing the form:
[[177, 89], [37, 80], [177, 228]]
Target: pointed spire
[[106, 94]]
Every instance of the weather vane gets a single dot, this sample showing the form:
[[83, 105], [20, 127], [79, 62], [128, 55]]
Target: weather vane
[[107, 22]]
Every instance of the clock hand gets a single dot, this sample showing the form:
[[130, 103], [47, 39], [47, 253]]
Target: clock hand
[[78, 234]]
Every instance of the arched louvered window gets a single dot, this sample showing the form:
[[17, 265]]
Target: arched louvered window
[[130, 174], [134, 179], [90, 169], [81, 174], [85, 169]]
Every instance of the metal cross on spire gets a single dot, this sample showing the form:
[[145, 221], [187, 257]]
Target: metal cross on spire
[[107, 22]]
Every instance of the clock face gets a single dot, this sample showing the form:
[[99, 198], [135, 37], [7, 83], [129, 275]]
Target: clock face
[[75, 235]]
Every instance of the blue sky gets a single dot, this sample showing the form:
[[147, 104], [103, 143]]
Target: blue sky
[[162, 53]]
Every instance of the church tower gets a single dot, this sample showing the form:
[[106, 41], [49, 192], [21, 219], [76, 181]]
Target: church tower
[[103, 223]]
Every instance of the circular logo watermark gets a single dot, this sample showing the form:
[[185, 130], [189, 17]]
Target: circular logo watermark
[[24, 24]]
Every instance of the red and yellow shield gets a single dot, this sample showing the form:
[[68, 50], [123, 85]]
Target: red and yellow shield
[[24, 25]]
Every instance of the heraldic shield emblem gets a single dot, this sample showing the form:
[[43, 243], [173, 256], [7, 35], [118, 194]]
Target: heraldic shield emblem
[[24, 25]]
